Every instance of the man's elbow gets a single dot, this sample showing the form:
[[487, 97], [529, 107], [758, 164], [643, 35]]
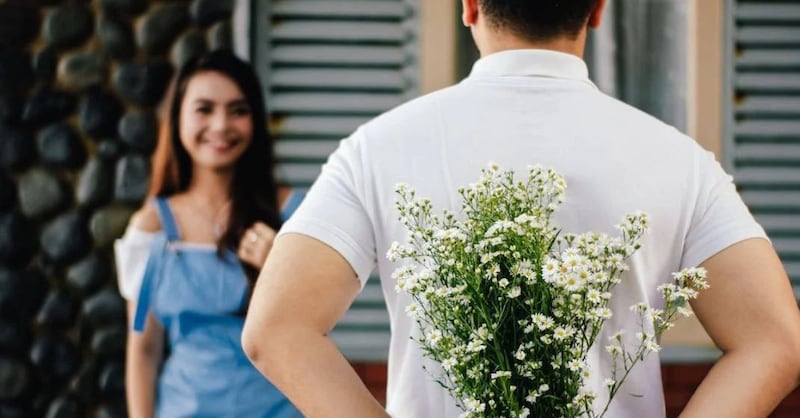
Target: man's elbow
[[791, 348], [256, 347]]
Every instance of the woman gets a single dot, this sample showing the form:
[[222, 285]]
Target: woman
[[190, 256]]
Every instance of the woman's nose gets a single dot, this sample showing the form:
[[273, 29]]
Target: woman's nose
[[219, 121]]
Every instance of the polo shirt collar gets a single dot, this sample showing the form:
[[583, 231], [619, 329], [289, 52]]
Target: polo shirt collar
[[531, 62]]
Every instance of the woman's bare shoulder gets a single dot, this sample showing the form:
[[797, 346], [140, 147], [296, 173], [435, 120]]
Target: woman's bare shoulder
[[146, 218]]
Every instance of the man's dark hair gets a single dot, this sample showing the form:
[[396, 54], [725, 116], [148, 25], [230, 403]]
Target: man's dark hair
[[539, 20]]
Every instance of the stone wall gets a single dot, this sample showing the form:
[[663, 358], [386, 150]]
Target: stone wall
[[79, 83]]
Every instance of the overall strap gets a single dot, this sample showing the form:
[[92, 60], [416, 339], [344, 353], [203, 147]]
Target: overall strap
[[295, 198], [167, 219], [146, 291]]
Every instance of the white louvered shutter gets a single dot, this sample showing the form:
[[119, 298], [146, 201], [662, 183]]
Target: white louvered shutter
[[762, 140], [329, 66]]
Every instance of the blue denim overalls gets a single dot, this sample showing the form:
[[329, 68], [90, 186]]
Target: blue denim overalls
[[196, 296]]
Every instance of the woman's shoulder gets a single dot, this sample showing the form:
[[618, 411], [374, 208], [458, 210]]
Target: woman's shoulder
[[146, 218]]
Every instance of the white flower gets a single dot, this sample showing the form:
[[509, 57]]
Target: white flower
[[609, 382], [433, 337], [499, 374], [449, 363], [514, 292]]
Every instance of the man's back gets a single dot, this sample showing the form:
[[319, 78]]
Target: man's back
[[522, 108]]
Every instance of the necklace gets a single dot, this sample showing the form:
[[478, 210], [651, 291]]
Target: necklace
[[217, 224]]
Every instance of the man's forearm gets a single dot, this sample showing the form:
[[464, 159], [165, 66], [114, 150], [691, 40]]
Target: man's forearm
[[309, 369], [745, 384]]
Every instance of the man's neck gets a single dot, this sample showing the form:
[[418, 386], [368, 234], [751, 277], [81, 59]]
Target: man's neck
[[499, 42]]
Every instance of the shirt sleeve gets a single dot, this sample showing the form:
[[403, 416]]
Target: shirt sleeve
[[131, 253], [334, 212], [720, 218]]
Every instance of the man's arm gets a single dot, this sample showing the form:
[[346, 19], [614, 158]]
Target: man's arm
[[303, 290], [751, 314]]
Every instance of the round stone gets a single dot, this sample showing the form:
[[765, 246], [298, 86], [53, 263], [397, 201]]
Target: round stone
[[47, 106], [16, 74], [66, 239], [112, 379], [17, 149], [17, 239], [19, 22], [161, 27], [221, 36], [65, 407], [21, 294], [109, 342], [61, 147], [84, 383], [116, 410], [116, 37], [15, 337], [99, 113], [8, 192], [108, 224], [15, 378], [189, 46], [144, 84], [129, 7], [11, 109], [68, 25], [109, 150], [96, 183], [45, 64], [206, 12], [42, 193], [83, 69], [55, 356], [132, 179], [89, 274], [105, 308], [15, 411], [58, 311], [139, 130]]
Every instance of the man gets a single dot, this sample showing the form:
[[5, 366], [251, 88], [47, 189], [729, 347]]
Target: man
[[527, 101]]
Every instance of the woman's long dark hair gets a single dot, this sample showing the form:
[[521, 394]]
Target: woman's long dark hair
[[253, 192]]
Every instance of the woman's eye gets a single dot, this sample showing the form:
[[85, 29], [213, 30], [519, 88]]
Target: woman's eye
[[240, 111], [204, 110]]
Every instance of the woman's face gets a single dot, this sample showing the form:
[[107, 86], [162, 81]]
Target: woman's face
[[216, 125]]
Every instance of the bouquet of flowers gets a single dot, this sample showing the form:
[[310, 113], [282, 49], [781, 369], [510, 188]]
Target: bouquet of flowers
[[509, 307]]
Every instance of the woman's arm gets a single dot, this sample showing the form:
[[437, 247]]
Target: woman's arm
[[143, 357]]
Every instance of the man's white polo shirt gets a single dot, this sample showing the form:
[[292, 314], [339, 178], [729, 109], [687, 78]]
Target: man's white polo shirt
[[521, 108]]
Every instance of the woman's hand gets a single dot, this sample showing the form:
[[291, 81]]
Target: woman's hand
[[255, 244]]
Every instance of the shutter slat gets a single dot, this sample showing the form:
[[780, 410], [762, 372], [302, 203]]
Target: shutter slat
[[327, 9], [768, 59], [768, 35], [768, 129], [768, 11], [769, 82], [339, 79], [302, 149], [769, 152], [331, 55], [335, 103], [298, 173], [769, 105], [768, 176], [331, 32], [328, 126], [772, 199], [780, 223]]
